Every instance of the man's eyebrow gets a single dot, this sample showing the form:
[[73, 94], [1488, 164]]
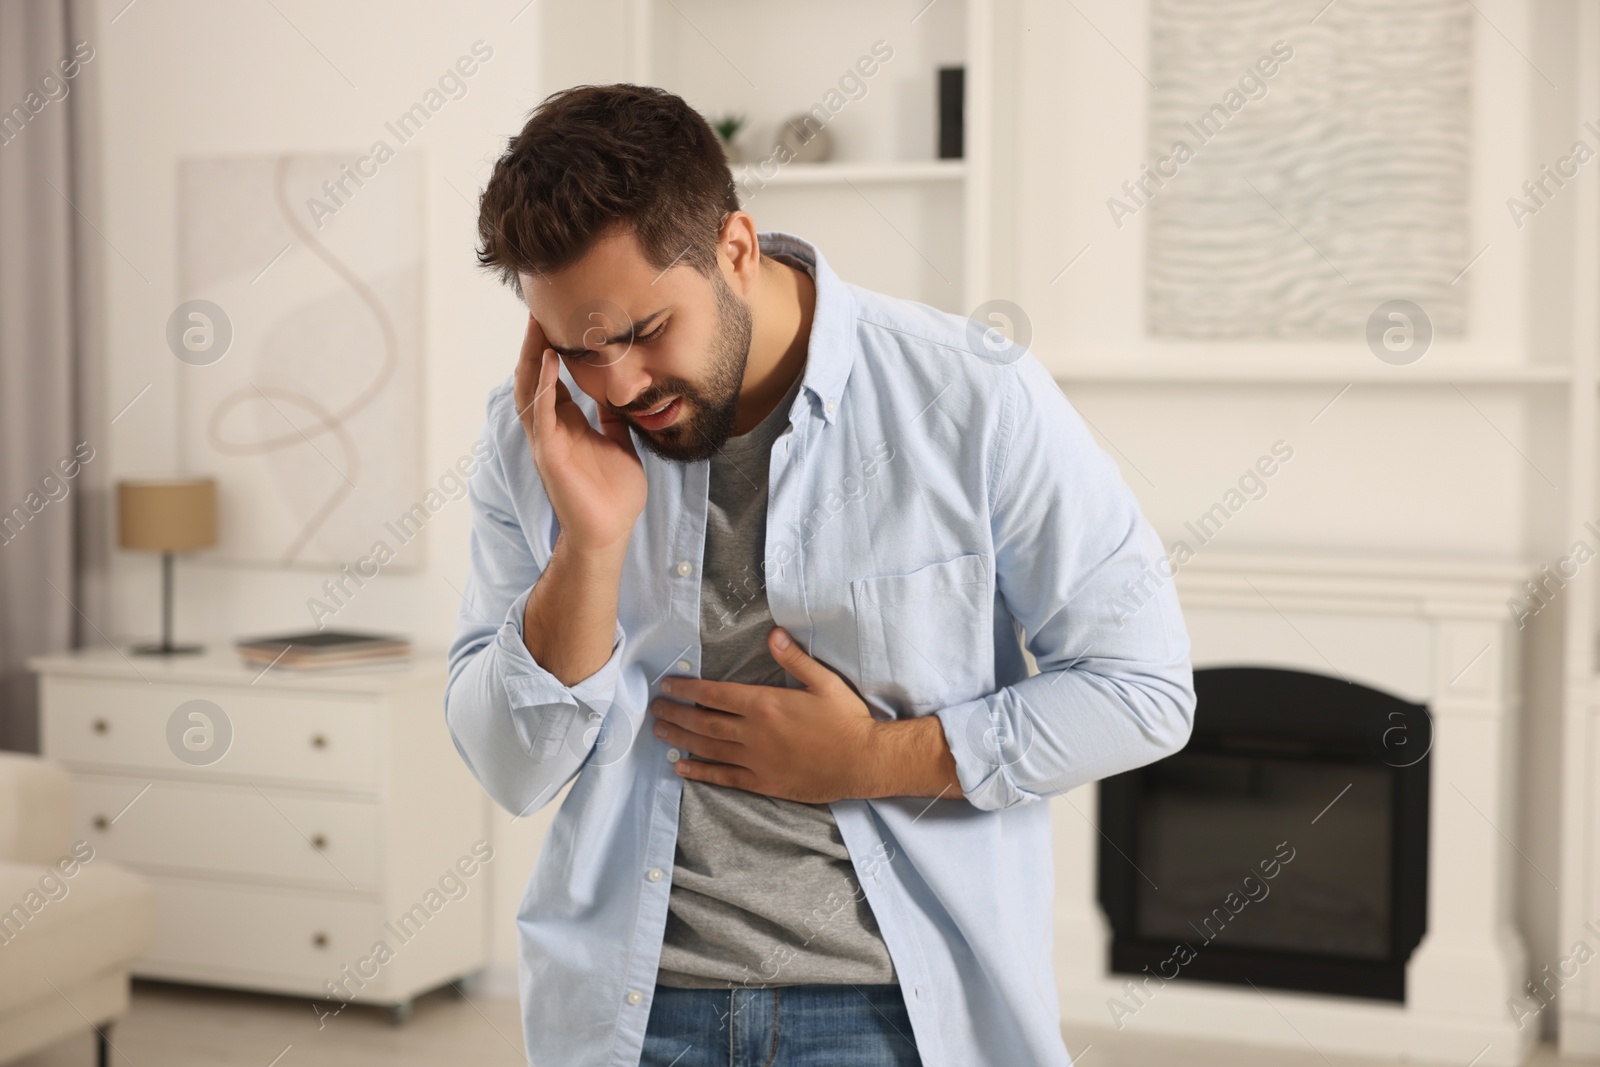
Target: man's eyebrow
[[639, 325]]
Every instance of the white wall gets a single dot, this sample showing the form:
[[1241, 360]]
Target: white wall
[[188, 77]]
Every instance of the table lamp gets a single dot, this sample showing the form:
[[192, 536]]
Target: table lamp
[[167, 515]]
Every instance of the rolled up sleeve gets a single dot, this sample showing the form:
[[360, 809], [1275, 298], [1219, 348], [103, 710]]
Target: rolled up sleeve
[[542, 708], [1084, 574], [521, 731]]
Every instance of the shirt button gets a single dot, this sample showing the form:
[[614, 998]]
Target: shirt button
[[673, 755], [654, 874], [685, 665], [685, 568], [634, 996], [831, 405]]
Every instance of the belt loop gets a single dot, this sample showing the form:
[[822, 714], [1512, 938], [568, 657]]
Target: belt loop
[[775, 1018]]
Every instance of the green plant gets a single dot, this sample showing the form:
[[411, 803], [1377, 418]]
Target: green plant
[[728, 127]]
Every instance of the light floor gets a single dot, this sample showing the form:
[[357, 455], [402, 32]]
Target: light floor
[[190, 1026]]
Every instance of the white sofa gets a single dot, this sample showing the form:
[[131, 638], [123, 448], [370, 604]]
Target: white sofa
[[71, 921]]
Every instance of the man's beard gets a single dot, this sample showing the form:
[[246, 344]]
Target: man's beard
[[708, 412]]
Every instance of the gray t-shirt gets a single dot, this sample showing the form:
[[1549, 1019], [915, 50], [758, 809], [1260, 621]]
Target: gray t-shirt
[[763, 891]]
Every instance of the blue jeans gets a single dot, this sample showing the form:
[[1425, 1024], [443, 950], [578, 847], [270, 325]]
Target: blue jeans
[[780, 1026]]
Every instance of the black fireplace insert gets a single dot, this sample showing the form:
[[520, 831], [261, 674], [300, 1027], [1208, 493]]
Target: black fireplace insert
[[1286, 845]]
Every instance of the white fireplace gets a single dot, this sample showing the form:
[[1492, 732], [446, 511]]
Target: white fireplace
[[1429, 631]]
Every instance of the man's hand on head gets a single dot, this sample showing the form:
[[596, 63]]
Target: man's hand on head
[[815, 745], [593, 478]]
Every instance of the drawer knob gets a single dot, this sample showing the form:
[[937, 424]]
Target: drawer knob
[[318, 841], [101, 726], [319, 939], [319, 741], [102, 823]]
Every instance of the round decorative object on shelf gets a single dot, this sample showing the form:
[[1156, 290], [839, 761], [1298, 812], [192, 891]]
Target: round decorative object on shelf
[[805, 139]]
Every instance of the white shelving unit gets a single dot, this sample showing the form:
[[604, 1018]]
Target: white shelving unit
[[885, 211], [915, 171]]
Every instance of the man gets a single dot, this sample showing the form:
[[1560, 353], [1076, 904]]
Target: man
[[750, 570]]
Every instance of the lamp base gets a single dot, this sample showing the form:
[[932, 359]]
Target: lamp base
[[167, 650]]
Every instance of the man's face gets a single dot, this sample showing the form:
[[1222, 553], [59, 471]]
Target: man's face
[[633, 336]]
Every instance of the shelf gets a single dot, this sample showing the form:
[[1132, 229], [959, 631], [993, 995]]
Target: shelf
[[941, 209], [891, 172], [1312, 372]]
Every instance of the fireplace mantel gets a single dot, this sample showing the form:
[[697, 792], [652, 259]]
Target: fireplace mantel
[[1420, 586], [1435, 631]]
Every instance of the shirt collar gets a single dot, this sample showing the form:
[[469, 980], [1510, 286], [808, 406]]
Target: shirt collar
[[831, 350]]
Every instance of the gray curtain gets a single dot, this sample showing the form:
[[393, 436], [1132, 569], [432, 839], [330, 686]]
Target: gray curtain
[[52, 504]]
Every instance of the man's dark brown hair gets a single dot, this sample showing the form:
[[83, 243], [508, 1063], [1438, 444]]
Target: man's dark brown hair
[[596, 157]]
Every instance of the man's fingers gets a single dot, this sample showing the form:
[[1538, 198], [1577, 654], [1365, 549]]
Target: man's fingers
[[699, 744], [548, 389], [526, 386], [737, 698], [543, 407], [720, 725], [539, 393]]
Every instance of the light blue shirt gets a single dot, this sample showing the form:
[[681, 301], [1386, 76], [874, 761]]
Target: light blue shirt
[[933, 492]]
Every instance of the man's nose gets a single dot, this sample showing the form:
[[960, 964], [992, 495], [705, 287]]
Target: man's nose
[[626, 379]]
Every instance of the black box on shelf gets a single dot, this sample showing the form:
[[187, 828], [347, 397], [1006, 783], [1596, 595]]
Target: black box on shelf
[[952, 91]]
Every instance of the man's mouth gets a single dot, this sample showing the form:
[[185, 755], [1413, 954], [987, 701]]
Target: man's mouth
[[661, 416]]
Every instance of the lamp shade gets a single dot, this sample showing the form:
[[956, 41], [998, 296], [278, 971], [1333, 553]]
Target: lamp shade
[[167, 514]]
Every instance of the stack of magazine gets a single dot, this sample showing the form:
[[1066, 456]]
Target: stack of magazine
[[317, 649]]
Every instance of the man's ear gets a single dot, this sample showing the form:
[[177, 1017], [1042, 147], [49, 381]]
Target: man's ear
[[739, 252]]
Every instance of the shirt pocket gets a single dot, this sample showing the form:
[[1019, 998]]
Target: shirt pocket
[[926, 638]]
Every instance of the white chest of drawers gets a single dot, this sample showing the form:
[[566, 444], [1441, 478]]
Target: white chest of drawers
[[337, 848]]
